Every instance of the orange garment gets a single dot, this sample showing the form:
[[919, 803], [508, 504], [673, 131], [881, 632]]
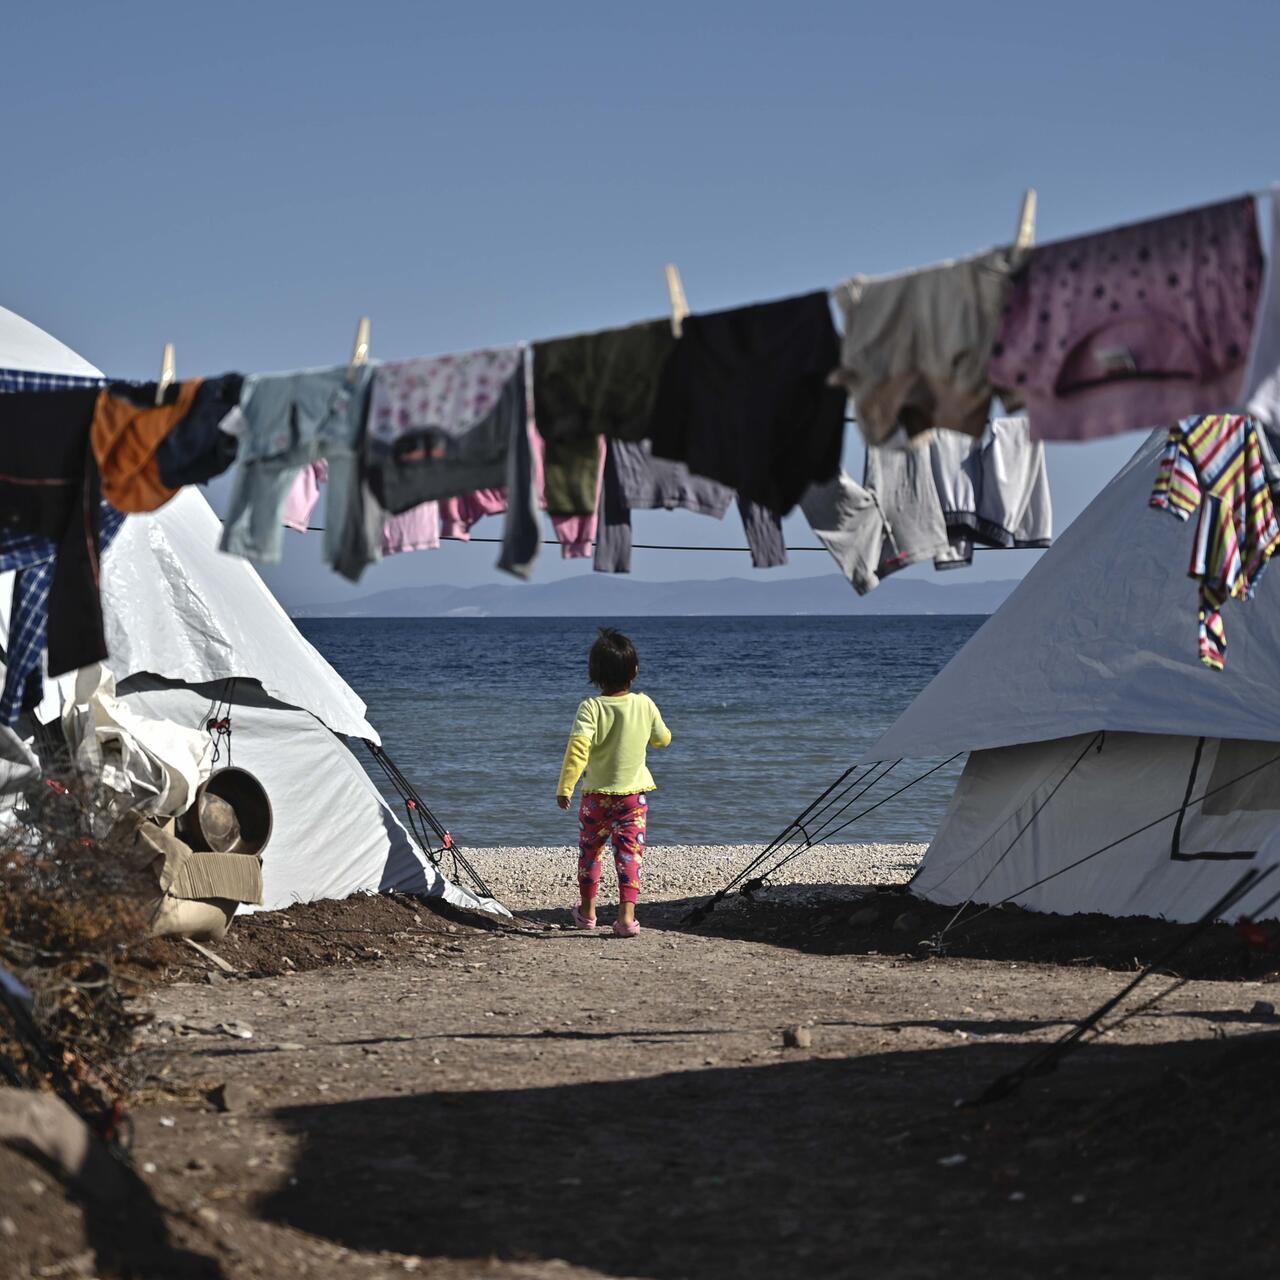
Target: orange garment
[[125, 437]]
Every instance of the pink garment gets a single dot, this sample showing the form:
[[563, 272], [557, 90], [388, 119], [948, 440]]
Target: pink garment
[[304, 495], [1134, 327], [417, 529], [459, 515], [447, 393], [575, 534]]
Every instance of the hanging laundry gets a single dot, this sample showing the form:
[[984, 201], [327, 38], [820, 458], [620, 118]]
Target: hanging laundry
[[916, 346], [901, 477], [200, 446], [635, 480], [291, 420], [417, 529], [763, 528], [993, 491], [576, 533], [848, 521], [442, 426], [1216, 464], [459, 515], [587, 386], [600, 384], [744, 400], [33, 558], [128, 430], [1132, 327], [49, 487], [1261, 395], [25, 380]]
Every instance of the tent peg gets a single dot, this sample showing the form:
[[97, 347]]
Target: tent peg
[[1026, 236], [167, 374], [679, 307], [360, 348]]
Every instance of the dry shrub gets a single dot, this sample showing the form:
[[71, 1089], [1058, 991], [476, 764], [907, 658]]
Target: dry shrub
[[73, 901]]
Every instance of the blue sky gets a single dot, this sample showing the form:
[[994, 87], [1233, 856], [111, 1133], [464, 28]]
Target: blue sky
[[245, 180]]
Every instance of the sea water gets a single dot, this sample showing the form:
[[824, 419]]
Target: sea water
[[765, 713]]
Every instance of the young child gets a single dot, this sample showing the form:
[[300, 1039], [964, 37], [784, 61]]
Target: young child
[[608, 740]]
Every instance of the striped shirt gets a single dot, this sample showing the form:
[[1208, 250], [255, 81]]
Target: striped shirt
[[1221, 465]]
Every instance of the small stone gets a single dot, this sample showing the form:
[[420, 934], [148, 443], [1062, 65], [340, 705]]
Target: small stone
[[8, 1228], [149, 1167], [288, 964], [1017, 1196], [196, 1165], [167, 1122], [214, 978], [240, 1030], [797, 1037], [1263, 1010], [36, 1187], [230, 1096], [952, 1162], [206, 1214]]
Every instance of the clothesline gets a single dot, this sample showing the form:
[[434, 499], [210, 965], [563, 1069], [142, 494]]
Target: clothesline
[[648, 546]]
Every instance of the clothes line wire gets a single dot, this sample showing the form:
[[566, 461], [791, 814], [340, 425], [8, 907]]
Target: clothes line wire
[[660, 546]]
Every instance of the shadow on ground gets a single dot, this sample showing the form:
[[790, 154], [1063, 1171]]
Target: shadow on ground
[[821, 1167], [847, 920]]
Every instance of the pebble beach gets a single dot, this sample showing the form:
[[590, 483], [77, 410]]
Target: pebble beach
[[531, 877]]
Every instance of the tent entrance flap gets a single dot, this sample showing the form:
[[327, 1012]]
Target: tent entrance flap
[[1235, 777], [1112, 797]]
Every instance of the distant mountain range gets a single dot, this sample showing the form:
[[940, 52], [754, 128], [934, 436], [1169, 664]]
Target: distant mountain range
[[601, 595]]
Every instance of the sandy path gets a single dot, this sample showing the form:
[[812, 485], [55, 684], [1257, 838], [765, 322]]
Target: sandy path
[[577, 1104]]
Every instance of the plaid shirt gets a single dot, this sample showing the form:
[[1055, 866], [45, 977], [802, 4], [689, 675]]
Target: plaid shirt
[[34, 558], [21, 380]]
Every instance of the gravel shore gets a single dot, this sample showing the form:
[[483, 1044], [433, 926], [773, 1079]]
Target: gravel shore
[[525, 878]]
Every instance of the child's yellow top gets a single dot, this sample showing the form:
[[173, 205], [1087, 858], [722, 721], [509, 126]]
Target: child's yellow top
[[608, 740]]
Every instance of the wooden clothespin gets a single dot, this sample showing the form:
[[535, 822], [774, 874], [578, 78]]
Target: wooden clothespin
[[360, 349], [167, 366], [1026, 236], [679, 307]]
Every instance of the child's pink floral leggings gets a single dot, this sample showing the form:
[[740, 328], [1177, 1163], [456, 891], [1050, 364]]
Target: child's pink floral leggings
[[622, 820]]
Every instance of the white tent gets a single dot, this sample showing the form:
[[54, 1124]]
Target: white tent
[[188, 630], [1088, 716], [26, 348]]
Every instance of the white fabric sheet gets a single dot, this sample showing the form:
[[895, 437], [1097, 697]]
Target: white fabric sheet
[[153, 766]]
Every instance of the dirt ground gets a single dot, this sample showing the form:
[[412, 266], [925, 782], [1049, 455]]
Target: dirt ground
[[397, 1092]]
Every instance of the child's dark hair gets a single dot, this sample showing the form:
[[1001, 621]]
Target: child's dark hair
[[612, 663]]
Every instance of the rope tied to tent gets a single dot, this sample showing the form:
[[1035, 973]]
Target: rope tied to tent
[[1047, 1059], [423, 823], [827, 826], [937, 942], [218, 722]]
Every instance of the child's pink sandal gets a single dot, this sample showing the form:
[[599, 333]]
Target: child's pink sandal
[[628, 930], [582, 922]]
